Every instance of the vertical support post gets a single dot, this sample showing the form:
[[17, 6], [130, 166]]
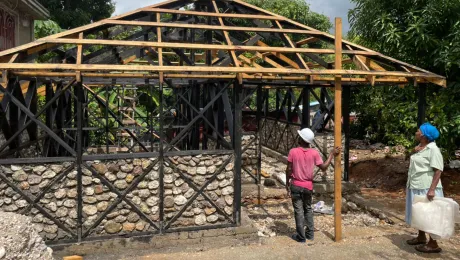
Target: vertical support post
[[161, 158], [338, 132], [79, 107], [259, 140], [238, 99], [306, 107], [346, 130], [421, 115]]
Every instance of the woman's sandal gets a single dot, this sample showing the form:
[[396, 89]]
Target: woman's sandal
[[427, 249], [415, 241]]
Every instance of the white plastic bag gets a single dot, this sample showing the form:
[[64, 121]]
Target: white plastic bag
[[437, 217]]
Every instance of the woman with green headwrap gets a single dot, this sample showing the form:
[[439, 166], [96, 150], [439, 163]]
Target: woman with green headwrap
[[426, 166]]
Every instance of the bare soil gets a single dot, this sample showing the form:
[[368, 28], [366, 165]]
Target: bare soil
[[383, 176]]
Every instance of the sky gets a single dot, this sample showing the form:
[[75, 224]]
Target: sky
[[330, 8]]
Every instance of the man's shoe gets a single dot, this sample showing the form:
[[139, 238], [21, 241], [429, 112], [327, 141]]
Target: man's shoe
[[297, 239]]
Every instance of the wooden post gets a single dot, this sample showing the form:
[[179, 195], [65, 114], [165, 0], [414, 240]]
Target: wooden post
[[338, 132]]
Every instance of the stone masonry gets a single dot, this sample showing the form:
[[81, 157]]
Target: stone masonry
[[60, 201]]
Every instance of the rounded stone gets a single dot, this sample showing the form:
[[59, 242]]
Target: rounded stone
[[21, 204], [20, 176], [191, 170], [142, 185], [227, 190], [140, 226], [127, 168], [189, 193], [101, 206], [120, 219], [112, 227], [89, 191], [70, 203], [133, 217], [229, 200], [121, 175], [100, 168], [39, 169], [72, 193], [89, 199], [129, 178], [212, 218], [24, 185], [209, 211], [178, 182], [200, 219], [169, 202], [34, 179], [136, 200], [90, 210], [61, 212], [111, 176], [121, 184], [152, 201], [59, 194], [180, 200], [129, 227], [50, 229], [201, 170], [168, 178], [86, 180], [49, 174], [51, 206], [113, 168], [155, 209], [229, 167], [137, 171], [153, 185], [98, 189], [144, 193]]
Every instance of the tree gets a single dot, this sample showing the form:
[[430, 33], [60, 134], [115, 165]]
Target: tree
[[425, 33], [74, 13], [297, 10]]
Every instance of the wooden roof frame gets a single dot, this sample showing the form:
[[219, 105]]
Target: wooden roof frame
[[226, 59]]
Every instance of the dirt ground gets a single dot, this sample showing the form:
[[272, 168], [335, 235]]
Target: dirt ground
[[383, 176]]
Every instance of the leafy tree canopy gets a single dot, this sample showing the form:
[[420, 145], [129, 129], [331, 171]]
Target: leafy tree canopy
[[74, 13], [297, 10], [425, 33]]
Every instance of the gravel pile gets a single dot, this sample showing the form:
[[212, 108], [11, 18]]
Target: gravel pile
[[19, 239]]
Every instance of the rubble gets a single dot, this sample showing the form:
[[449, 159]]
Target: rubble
[[19, 239]]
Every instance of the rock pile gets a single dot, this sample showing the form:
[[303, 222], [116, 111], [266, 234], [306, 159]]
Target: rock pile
[[19, 239]]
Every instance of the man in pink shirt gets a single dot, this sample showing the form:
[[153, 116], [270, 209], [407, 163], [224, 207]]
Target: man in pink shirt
[[299, 182]]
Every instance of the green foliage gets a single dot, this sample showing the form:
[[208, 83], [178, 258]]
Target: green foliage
[[73, 13], [297, 10], [425, 33], [45, 28]]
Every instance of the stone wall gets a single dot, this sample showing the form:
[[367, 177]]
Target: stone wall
[[280, 137], [105, 212]]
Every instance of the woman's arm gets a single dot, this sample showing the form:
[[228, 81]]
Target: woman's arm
[[434, 183]]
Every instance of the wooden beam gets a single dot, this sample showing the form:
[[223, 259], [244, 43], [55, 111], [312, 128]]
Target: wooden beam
[[211, 27], [160, 50], [223, 15], [202, 46], [302, 62], [306, 41], [227, 37], [79, 57], [120, 68], [338, 133]]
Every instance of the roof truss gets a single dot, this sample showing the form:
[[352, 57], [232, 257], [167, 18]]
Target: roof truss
[[198, 38]]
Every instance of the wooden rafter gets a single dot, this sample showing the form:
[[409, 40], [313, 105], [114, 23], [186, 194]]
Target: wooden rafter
[[290, 61]]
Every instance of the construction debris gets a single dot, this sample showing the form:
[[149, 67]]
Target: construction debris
[[19, 239]]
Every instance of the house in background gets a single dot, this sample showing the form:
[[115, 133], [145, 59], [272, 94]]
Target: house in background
[[17, 21]]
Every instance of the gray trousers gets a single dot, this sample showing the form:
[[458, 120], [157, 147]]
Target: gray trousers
[[303, 213]]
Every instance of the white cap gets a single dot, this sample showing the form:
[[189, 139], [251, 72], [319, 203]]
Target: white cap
[[307, 135]]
